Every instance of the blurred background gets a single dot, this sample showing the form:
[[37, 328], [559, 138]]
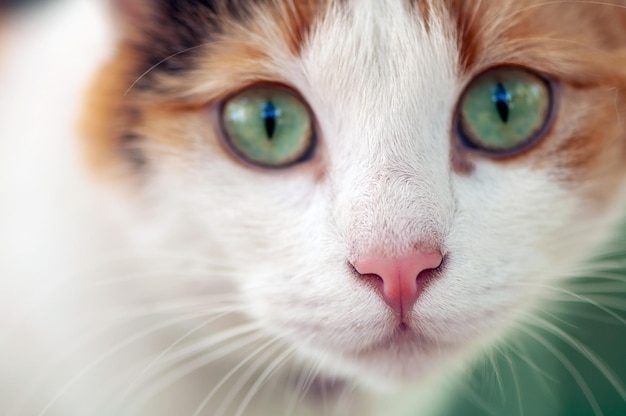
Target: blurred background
[[19, 5], [572, 364]]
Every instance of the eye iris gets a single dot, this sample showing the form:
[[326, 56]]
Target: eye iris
[[504, 109], [268, 126]]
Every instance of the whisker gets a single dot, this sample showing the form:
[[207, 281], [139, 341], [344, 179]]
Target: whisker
[[595, 273], [595, 317], [597, 287], [587, 2], [526, 41], [575, 296], [511, 365], [571, 369], [475, 398], [525, 357], [60, 293], [243, 379], [305, 378], [345, 395], [269, 371], [113, 350], [167, 350], [584, 351], [269, 352], [496, 372], [161, 62], [124, 317], [609, 303], [181, 371]]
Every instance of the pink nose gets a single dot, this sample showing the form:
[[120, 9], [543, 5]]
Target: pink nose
[[401, 282]]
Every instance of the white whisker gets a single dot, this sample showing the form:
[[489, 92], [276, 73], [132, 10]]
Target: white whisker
[[269, 370], [167, 350], [180, 371], [585, 351], [569, 367], [115, 349], [252, 369]]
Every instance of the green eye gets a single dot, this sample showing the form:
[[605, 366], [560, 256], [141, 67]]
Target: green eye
[[504, 109], [268, 126]]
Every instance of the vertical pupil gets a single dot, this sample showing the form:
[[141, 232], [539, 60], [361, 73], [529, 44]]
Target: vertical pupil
[[269, 115], [501, 98]]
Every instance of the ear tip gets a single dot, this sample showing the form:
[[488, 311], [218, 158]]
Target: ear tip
[[132, 10], [132, 16]]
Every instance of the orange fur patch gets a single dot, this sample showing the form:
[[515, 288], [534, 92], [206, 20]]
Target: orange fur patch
[[582, 47], [120, 107], [106, 115]]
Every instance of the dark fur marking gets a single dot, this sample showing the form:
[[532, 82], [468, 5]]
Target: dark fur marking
[[174, 29], [129, 142], [129, 145]]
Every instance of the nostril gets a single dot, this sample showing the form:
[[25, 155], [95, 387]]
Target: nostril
[[373, 280], [399, 280], [428, 274]]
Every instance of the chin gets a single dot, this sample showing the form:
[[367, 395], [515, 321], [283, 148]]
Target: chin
[[400, 354]]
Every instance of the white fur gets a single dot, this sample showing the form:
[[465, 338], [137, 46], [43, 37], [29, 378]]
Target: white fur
[[383, 89]]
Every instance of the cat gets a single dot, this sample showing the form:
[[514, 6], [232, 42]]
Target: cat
[[294, 207]]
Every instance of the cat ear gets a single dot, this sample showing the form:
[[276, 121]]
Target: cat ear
[[131, 9], [133, 15], [163, 19], [159, 31]]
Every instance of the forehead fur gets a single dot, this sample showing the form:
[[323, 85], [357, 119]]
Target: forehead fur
[[572, 39], [562, 38]]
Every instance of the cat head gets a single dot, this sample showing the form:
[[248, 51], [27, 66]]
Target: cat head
[[388, 183]]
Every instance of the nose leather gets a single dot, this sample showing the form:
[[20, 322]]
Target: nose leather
[[400, 276]]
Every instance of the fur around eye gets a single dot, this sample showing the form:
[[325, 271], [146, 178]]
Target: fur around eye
[[268, 126], [504, 110]]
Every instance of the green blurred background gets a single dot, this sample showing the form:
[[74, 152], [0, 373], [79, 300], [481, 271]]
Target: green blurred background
[[578, 371]]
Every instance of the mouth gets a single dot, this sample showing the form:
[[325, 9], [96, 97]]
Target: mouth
[[404, 354], [404, 339]]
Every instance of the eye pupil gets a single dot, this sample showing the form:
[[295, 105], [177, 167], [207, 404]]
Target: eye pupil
[[270, 113], [502, 98]]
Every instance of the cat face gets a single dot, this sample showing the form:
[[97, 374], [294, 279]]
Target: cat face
[[393, 164]]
